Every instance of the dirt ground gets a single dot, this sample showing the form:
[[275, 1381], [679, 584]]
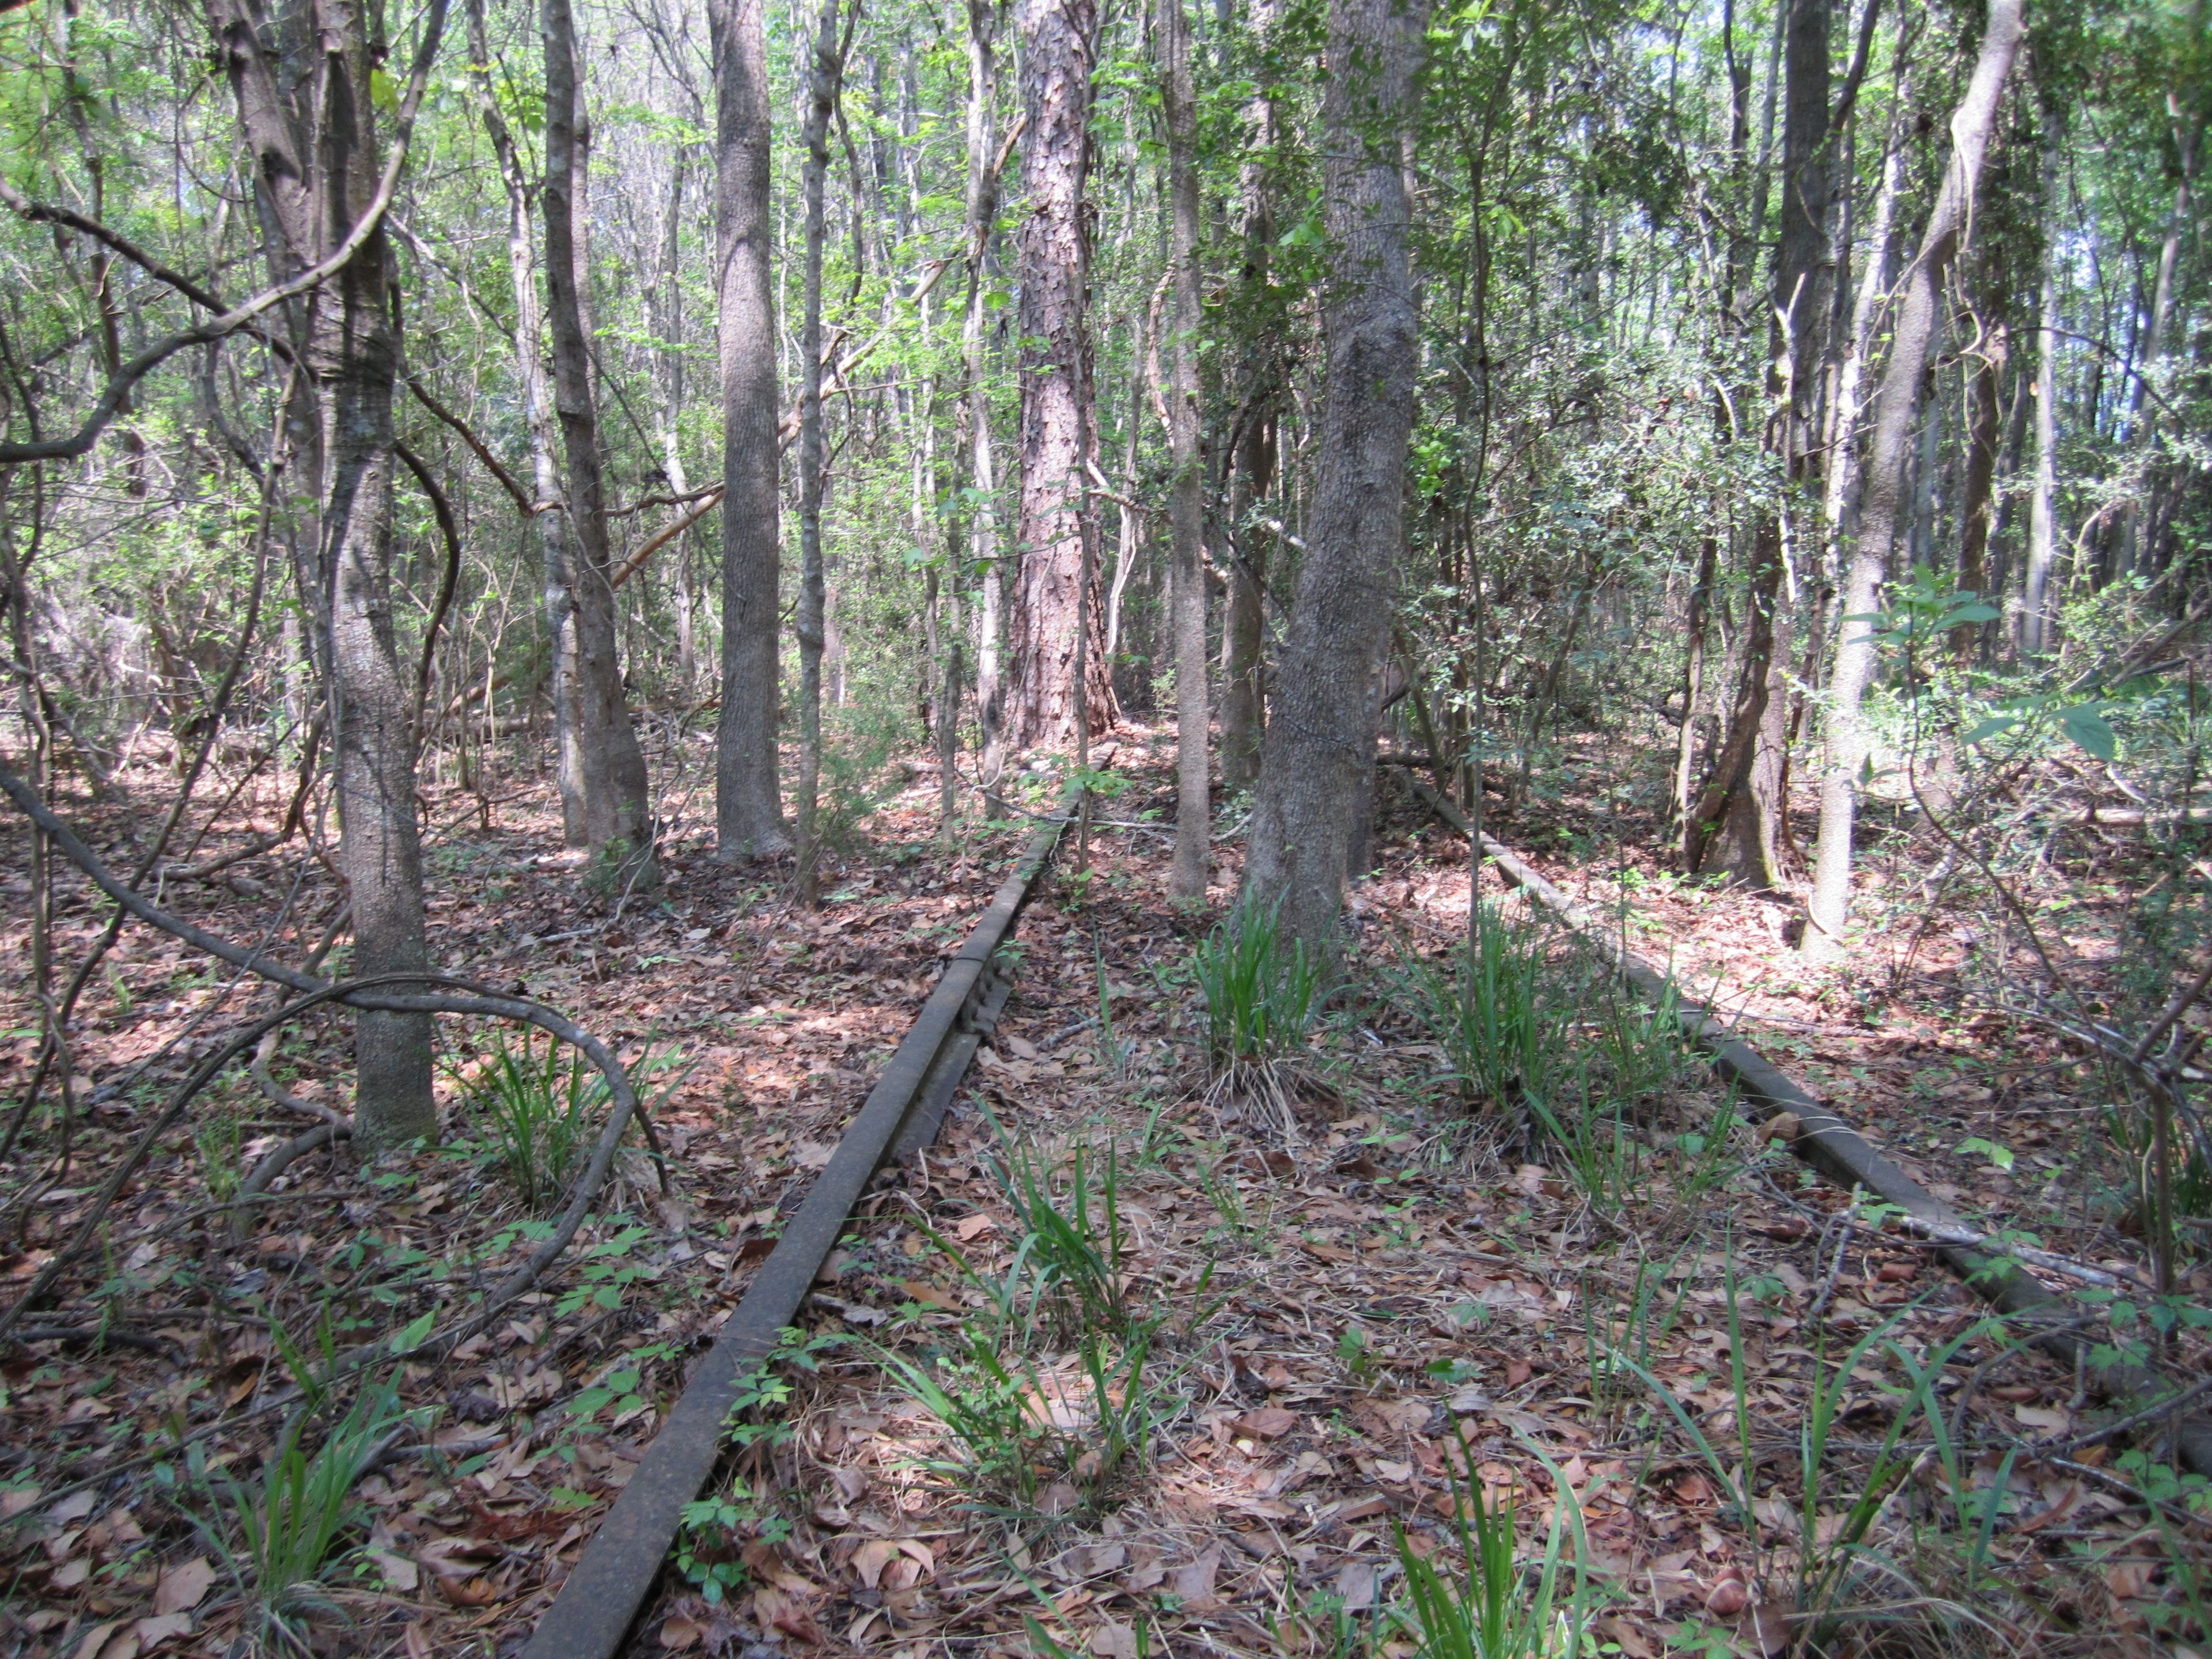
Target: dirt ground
[[1733, 1413]]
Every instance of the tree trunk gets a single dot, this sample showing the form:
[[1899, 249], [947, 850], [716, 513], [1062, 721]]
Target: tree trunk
[[1840, 500], [1186, 509], [617, 819], [1252, 461], [982, 471], [1918, 317], [1738, 816], [1977, 496], [549, 522], [747, 800], [826, 72], [1057, 524], [1320, 745], [312, 195], [2035, 607], [1693, 682]]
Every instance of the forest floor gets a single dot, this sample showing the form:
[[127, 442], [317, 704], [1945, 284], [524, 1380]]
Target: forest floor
[[1727, 1412]]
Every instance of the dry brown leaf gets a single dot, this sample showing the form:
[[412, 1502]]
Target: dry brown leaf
[[1268, 1423], [182, 1587], [1194, 1582], [152, 1632]]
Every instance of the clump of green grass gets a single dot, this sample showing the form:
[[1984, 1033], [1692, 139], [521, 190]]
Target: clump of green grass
[[537, 1113], [281, 1538], [1262, 991]]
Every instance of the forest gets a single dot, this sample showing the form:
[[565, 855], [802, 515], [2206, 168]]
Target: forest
[[1006, 829]]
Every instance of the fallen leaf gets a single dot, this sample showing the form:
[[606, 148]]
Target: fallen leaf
[[398, 1572], [14, 1500], [678, 1634], [971, 1228], [183, 1586], [2055, 1418], [1469, 1402], [152, 1632], [1268, 1423], [870, 1558], [1355, 1582], [1193, 1583], [96, 1638], [1113, 1641]]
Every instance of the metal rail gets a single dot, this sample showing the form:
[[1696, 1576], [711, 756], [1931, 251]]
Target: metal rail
[[1824, 1141], [601, 1598]]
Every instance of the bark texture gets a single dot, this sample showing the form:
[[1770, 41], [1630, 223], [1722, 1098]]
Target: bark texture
[[617, 819], [1884, 512], [983, 548], [1056, 526], [305, 106], [821, 99], [1320, 744], [748, 799], [1186, 508], [1737, 819]]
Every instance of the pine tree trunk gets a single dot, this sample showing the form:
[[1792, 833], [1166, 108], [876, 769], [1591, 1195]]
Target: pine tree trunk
[[311, 196], [748, 799], [617, 820], [1320, 746], [1882, 518], [1056, 526], [1194, 801]]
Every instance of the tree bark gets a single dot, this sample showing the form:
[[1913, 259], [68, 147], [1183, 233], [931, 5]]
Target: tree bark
[[1977, 496], [983, 469], [310, 129], [1738, 817], [822, 86], [2035, 609], [550, 521], [1185, 509], [1057, 524], [1252, 459], [617, 818], [748, 797], [1320, 746], [1918, 317]]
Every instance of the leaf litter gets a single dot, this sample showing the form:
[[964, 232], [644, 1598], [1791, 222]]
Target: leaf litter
[[1412, 1301]]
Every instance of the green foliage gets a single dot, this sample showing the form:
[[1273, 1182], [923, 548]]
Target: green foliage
[[1494, 1009], [1072, 1242], [537, 1112], [279, 1537], [1261, 990], [1480, 1606]]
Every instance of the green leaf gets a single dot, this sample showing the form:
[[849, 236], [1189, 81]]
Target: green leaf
[[2000, 1155], [1996, 726], [412, 1337], [383, 92], [1968, 613], [2088, 728]]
